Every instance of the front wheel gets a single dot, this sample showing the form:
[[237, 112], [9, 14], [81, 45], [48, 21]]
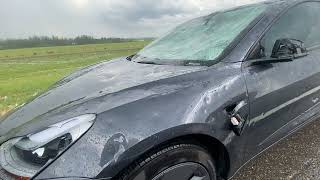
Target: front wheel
[[175, 162]]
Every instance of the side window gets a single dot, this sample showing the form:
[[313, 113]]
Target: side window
[[302, 22]]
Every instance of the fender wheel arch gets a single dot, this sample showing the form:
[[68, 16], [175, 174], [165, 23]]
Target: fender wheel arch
[[216, 149]]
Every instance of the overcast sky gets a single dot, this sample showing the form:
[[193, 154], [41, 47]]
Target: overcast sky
[[101, 18]]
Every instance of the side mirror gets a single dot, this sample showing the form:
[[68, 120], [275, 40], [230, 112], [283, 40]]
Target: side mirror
[[284, 50], [288, 48]]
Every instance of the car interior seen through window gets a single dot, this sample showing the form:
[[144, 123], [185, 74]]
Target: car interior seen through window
[[302, 22]]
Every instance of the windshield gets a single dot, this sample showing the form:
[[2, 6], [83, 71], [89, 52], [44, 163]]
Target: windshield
[[204, 38]]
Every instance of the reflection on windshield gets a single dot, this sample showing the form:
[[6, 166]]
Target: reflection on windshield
[[204, 38]]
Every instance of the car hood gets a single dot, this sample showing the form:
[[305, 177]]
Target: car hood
[[93, 89]]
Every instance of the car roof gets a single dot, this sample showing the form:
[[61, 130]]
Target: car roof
[[272, 5], [283, 3]]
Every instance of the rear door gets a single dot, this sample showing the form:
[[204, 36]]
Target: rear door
[[282, 93]]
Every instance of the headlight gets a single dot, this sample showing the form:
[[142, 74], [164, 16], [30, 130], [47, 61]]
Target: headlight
[[25, 156]]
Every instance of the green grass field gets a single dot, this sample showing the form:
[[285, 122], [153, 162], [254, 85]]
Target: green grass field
[[24, 73]]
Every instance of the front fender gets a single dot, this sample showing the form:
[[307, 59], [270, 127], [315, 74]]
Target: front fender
[[115, 141], [118, 151], [118, 159]]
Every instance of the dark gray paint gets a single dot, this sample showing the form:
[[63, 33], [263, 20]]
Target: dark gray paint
[[141, 106]]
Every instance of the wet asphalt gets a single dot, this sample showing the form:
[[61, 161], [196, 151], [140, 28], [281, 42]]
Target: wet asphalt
[[295, 158]]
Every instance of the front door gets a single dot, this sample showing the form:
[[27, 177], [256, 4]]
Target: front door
[[284, 92]]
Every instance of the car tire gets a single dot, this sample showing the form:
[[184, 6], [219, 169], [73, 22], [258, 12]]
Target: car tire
[[174, 162]]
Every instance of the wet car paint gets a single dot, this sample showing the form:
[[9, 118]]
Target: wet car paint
[[140, 107], [118, 130], [99, 81]]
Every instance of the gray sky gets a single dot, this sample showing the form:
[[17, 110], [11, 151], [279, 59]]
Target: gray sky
[[107, 18]]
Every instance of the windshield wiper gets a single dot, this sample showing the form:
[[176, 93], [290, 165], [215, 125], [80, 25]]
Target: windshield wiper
[[147, 62], [197, 63], [177, 62], [141, 61]]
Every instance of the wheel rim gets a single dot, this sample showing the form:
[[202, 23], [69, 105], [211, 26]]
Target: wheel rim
[[184, 171]]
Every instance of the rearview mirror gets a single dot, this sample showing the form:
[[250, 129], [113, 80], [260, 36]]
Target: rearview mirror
[[288, 48]]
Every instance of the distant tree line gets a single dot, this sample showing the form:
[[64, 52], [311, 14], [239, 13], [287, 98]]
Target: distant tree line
[[46, 41]]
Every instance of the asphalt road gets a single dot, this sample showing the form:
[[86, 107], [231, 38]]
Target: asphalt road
[[4, 176], [294, 158]]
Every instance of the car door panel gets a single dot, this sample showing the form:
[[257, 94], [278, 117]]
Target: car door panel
[[280, 93], [284, 95]]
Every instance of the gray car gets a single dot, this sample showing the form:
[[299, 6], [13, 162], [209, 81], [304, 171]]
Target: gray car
[[195, 104]]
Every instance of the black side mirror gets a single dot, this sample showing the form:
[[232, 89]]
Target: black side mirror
[[288, 48], [284, 50]]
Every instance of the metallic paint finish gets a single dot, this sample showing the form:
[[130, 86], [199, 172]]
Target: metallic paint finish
[[122, 134], [142, 106], [91, 88]]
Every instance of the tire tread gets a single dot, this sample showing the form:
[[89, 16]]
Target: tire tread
[[156, 153]]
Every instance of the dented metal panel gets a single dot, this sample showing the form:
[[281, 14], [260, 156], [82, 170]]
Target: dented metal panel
[[140, 106], [200, 99]]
